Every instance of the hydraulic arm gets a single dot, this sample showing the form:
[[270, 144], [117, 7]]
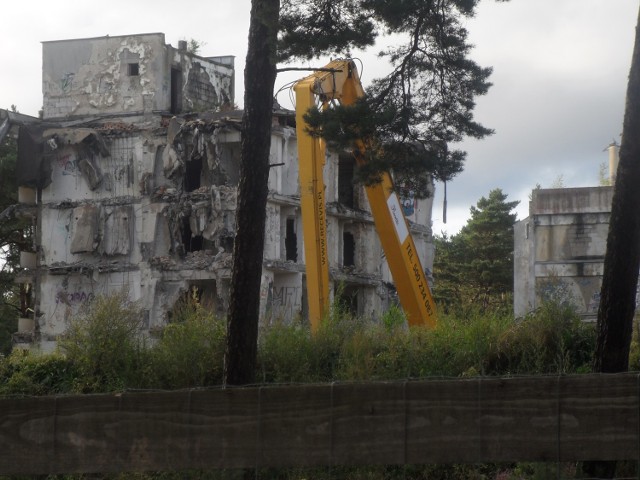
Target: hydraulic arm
[[339, 81]]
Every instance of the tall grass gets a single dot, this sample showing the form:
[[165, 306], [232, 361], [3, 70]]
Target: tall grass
[[103, 350]]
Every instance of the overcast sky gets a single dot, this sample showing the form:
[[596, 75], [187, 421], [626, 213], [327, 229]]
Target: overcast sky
[[560, 73]]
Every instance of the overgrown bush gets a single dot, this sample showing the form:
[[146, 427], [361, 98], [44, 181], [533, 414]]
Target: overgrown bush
[[553, 339], [104, 344], [25, 373], [103, 350], [190, 351]]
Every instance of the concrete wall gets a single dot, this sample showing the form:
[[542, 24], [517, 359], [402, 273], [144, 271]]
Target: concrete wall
[[559, 249], [130, 75]]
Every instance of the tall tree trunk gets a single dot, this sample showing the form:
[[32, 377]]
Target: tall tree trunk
[[622, 260], [244, 303]]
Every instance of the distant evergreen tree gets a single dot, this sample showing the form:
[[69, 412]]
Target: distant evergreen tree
[[13, 238], [474, 268]]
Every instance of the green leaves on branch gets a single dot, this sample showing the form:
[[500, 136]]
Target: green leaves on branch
[[311, 29], [422, 106]]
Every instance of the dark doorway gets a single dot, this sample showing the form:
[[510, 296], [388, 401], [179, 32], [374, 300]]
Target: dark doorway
[[348, 249], [291, 240], [345, 181], [192, 243], [193, 174]]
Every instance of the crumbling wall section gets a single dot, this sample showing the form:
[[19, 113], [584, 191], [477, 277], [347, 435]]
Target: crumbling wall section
[[106, 75], [138, 228], [129, 75]]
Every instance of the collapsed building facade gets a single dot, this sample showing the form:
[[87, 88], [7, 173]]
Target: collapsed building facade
[[131, 178]]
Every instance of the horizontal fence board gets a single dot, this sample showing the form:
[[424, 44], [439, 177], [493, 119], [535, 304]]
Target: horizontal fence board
[[489, 419]]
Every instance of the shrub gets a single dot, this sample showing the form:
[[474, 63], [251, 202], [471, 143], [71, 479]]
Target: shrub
[[27, 373], [190, 352], [553, 339], [104, 343]]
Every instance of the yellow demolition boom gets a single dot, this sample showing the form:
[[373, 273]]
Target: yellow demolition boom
[[339, 81]]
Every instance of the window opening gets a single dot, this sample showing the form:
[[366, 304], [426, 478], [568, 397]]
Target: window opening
[[348, 249], [192, 243], [192, 174], [133, 69], [291, 240], [345, 181], [348, 299], [226, 242]]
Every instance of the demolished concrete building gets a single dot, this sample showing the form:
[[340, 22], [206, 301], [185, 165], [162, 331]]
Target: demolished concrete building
[[559, 248], [130, 179]]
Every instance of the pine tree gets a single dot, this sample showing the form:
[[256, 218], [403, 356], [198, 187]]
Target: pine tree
[[476, 266]]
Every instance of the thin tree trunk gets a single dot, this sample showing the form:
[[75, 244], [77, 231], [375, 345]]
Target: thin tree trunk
[[622, 259], [244, 302]]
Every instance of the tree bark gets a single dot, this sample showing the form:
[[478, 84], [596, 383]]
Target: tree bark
[[244, 302], [622, 258]]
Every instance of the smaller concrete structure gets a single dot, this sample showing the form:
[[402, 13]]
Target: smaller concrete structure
[[131, 75], [559, 249]]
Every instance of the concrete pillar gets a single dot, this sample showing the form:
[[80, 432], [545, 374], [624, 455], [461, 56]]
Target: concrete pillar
[[613, 162]]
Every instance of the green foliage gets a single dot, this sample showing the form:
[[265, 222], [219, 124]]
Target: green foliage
[[474, 269], [14, 236], [553, 339], [190, 350], [411, 117], [603, 175], [104, 344], [394, 318], [25, 373], [195, 46], [103, 352], [311, 29]]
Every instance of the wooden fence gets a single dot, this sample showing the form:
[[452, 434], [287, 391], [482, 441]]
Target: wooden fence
[[561, 418]]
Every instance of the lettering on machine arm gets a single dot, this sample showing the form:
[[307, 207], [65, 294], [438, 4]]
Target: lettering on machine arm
[[398, 219]]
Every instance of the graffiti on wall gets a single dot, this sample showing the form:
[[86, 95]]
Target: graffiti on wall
[[284, 296], [285, 301], [73, 298], [66, 82], [68, 164]]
